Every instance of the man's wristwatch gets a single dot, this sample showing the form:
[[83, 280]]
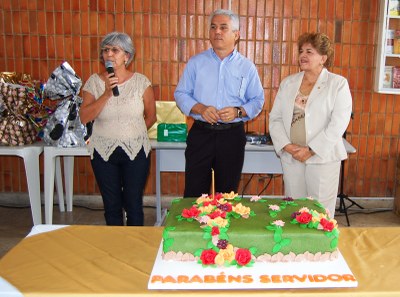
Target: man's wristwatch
[[239, 112]]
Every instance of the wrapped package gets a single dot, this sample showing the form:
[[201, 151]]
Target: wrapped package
[[22, 114], [64, 128], [167, 112]]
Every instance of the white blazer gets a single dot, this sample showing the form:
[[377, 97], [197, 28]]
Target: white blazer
[[327, 115]]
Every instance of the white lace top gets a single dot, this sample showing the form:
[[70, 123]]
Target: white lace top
[[121, 122]]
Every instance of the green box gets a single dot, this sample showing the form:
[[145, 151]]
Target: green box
[[171, 132]]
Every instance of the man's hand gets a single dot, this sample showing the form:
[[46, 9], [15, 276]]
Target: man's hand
[[227, 114], [208, 113]]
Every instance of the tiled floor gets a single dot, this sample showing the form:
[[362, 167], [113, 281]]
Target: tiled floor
[[16, 218]]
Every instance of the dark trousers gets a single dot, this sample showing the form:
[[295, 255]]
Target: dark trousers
[[121, 182], [222, 150]]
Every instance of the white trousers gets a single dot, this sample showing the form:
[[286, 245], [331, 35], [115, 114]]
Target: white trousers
[[319, 181]]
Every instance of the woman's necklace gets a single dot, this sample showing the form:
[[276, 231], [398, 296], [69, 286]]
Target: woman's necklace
[[307, 86]]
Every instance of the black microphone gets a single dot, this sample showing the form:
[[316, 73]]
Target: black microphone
[[110, 69]]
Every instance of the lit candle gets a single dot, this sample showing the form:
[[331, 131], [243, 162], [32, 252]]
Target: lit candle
[[212, 183]]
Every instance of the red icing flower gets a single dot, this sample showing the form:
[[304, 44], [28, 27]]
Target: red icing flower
[[217, 214], [327, 225], [243, 256], [208, 257], [218, 196], [214, 231], [304, 218], [190, 213]]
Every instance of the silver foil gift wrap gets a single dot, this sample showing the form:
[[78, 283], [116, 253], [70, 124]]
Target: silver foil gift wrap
[[64, 128], [21, 110]]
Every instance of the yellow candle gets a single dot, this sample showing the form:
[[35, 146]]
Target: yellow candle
[[212, 183]]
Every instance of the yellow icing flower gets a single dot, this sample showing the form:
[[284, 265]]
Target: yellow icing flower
[[207, 209], [230, 196], [225, 255], [304, 209], [202, 199], [219, 260], [222, 201], [220, 222], [317, 216], [241, 209]]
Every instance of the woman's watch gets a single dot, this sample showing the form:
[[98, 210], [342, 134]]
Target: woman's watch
[[239, 112]]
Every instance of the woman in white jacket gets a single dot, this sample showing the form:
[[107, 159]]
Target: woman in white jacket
[[311, 112]]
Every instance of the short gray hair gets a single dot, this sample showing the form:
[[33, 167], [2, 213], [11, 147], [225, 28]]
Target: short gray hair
[[118, 39], [229, 13]]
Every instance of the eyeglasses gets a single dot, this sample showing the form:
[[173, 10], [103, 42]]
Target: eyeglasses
[[115, 50]]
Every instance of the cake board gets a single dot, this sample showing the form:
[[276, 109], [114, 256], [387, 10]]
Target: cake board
[[175, 275]]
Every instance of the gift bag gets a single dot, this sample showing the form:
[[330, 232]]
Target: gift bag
[[64, 128], [171, 132], [16, 127], [167, 112]]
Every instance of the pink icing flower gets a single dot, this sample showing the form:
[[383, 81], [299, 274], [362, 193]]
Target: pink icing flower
[[255, 198], [279, 223], [274, 207]]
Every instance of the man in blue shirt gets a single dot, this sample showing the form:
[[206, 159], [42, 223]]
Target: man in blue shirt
[[220, 89]]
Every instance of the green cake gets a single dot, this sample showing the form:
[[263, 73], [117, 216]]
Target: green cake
[[229, 230]]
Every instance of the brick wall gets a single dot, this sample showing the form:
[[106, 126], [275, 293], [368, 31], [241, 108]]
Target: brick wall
[[37, 35]]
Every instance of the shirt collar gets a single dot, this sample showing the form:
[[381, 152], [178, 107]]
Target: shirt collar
[[228, 58]]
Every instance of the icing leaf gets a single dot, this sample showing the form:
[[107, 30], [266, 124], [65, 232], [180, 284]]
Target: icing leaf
[[277, 236], [335, 232], [166, 231], [271, 228], [235, 215], [253, 250], [223, 236], [167, 244], [207, 235], [285, 242], [207, 229], [273, 214], [198, 252], [334, 242], [277, 247], [210, 245]]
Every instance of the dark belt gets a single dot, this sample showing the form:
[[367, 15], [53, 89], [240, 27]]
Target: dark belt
[[218, 126]]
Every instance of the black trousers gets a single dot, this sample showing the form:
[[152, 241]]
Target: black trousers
[[222, 150], [121, 182]]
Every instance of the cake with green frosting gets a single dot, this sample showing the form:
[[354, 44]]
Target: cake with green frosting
[[227, 230]]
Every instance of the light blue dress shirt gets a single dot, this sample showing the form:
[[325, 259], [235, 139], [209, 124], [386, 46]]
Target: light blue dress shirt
[[208, 80]]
